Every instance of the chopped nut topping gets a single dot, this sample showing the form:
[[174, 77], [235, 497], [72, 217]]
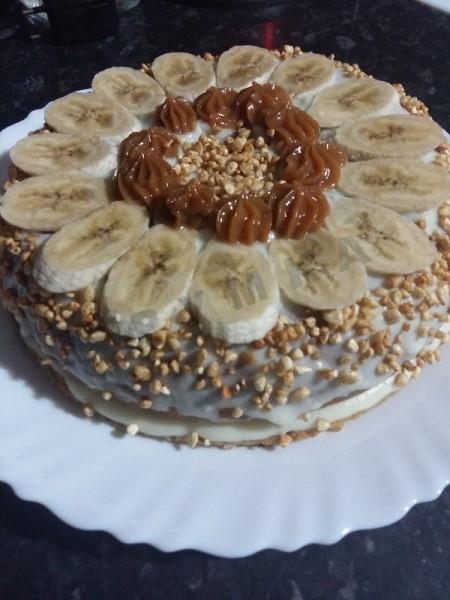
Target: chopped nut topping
[[401, 379], [322, 425], [193, 439], [145, 403], [327, 374], [352, 345], [237, 412], [132, 429], [142, 373], [299, 394], [88, 410]]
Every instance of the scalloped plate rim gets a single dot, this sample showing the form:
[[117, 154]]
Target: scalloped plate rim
[[291, 536]]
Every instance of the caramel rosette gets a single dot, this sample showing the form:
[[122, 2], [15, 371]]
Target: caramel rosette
[[217, 107], [178, 115], [146, 179], [191, 205], [296, 211], [243, 219], [314, 164], [155, 139], [291, 125], [257, 102]]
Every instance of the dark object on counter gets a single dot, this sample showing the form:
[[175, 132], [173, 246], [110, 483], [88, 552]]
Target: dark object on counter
[[8, 24], [233, 3], [124, 5], [75, 21]]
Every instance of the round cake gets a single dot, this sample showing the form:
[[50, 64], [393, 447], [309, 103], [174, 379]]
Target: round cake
[[244, 249]]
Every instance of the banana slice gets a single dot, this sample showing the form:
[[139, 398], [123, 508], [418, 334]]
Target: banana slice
[[403, 136], [82, 252], [318, 271], [384, 241], [183, 74], [61, 152], [239, 66], [149, 283], [308, 73], [93, 114], [47, 202], [234, 292], [351, 101], [137, 92], [400, 184]]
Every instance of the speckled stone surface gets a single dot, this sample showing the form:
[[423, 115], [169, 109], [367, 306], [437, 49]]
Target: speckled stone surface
[[399, 40], [41, 558]]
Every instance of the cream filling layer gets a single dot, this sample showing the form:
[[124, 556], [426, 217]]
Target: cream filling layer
[[164, 425]]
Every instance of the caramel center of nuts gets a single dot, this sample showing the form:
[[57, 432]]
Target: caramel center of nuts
[[227, 182]]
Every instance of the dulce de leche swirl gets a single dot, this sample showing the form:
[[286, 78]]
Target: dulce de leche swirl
[[146, 179], [296, 211], [314, 164], [155, 139], [244, 219], [258, 101], [217, 106], [178, 115], [292, 125], [191, 205]]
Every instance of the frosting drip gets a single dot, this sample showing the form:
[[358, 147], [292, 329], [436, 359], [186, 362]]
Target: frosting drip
[[178, 115], [217, 106], [292, 125], [156, 139], [314, 164], [296, 211], [243, 219], [146, 179], [257, 102], [191, 205]]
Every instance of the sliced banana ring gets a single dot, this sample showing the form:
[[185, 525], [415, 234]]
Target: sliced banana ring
[[403, 136], [148, 285], [57, 152], [386, 242], [317, 271], [135, 90], [404, 185], [304, 74], [239, 66], [47, 202], [183, 74], [346, 102], [233, 292], [95, 114], [82, 252]]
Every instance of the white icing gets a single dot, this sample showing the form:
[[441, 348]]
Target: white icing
[[192, 136]]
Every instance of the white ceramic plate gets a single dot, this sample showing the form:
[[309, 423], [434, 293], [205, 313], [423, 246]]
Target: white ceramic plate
[[229, 503]]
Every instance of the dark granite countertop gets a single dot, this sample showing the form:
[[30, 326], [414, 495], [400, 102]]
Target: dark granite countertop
[[41, 557]]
